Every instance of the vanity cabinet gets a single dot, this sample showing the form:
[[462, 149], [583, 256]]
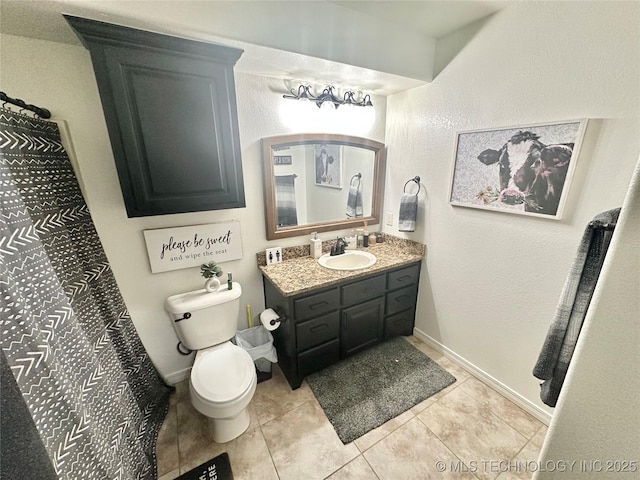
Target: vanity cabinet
[[328, 324], [170, 108]]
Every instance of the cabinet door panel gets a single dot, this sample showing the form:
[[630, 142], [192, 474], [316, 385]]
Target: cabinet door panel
[[170, 108], [175, 133], [362, 326]]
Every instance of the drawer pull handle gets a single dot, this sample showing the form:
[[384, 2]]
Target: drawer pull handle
[[313, 306], [318, 327], [402, 298], [403, 278]]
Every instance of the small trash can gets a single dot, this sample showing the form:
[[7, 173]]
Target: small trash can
[[258, 342]]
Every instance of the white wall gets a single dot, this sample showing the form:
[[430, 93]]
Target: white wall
[[492, 280], [60, 77], [599, 398]]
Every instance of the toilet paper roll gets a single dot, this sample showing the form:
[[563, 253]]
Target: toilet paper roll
[[269, 319]]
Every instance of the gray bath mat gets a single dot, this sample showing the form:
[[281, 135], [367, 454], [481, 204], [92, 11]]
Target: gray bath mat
[[364, 391]]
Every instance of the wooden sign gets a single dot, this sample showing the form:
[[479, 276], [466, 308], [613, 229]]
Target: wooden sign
[[186, 247]]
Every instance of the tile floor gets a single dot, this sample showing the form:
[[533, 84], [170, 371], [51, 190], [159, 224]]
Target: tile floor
[[466, 431]]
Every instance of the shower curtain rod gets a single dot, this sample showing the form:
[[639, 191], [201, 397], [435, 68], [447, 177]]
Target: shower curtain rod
[[41, 112]]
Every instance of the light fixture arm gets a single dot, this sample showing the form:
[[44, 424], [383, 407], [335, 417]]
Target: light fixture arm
[[304, 93]]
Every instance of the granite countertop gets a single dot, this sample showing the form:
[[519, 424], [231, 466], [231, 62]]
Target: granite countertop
[[300, 273]]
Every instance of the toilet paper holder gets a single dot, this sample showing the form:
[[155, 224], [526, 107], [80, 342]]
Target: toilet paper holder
[[281, 317]]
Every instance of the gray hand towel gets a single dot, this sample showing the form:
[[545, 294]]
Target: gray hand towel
[[354, 202], [408, 212]]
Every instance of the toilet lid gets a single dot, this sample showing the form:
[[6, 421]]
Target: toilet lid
[[222, 373]]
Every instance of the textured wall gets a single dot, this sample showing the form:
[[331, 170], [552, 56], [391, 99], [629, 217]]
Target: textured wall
[[60, 78], [492, 280], [600, 395]]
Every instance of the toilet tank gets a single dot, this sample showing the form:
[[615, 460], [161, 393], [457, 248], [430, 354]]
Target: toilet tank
[[202, 319]]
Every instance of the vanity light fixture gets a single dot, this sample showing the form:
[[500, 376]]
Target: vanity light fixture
[[304, 93]]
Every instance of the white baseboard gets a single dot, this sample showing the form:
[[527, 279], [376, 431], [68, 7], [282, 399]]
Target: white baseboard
[[483, 376], [177, 377]]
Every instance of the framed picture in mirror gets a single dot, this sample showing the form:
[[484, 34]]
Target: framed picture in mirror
[[328, 159], [282, 159]]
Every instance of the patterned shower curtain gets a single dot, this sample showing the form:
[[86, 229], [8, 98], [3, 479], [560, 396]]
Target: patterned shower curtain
[[95, 399]]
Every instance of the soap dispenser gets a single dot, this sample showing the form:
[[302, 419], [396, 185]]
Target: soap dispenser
[[316, 246]]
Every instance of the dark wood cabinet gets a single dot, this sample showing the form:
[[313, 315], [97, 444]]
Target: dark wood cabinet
[[171, 112], [333, 323], [362, 326]]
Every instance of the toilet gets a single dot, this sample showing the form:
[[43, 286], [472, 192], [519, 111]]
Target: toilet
[[223, 376]]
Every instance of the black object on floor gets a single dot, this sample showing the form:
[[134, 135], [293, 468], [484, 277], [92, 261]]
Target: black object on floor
[[218, 468], [364, 391]]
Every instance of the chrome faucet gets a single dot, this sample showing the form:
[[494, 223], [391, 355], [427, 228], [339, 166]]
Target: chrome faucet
[[338, 248]]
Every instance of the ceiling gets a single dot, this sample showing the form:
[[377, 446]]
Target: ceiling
[[360, 44]]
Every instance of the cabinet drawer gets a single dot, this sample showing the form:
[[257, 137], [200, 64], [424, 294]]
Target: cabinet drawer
[[315, 305], [363, 290], [317, 331], [404, 277], [402, 299], [399, 324], [318, 357]]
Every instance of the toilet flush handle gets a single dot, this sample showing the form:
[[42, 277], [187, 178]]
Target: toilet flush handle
[[186, 316]]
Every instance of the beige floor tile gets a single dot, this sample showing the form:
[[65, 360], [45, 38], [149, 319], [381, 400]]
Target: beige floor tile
[[429, 351], [377, 434], [523, 465], [454, 369], [167, 445], [420, 407], [472, 432], [248, 453], [274, 397], [538, 438], [195, 444], [304, 445], [505, 409], [250, 458], [357, 469], [182, 390], [413, 452], [290, 437]]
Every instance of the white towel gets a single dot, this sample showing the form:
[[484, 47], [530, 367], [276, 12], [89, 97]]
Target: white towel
[[408, 212]]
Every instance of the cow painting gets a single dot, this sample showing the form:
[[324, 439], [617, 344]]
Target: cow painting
[[530, 173]]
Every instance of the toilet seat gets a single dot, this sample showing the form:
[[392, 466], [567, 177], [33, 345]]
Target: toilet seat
[[222, 373]]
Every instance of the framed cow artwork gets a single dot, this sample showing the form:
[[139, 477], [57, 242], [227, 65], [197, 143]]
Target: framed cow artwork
[[525, 170]]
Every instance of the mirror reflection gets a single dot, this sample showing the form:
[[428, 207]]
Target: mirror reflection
[[321, 182]]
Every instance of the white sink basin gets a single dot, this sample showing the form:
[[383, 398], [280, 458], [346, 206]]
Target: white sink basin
[[349, 260]]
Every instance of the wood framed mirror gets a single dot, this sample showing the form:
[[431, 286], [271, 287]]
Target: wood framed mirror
[[321, 182]]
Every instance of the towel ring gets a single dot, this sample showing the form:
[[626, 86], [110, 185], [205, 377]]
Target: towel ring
[[414, 179], [357, 176]]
